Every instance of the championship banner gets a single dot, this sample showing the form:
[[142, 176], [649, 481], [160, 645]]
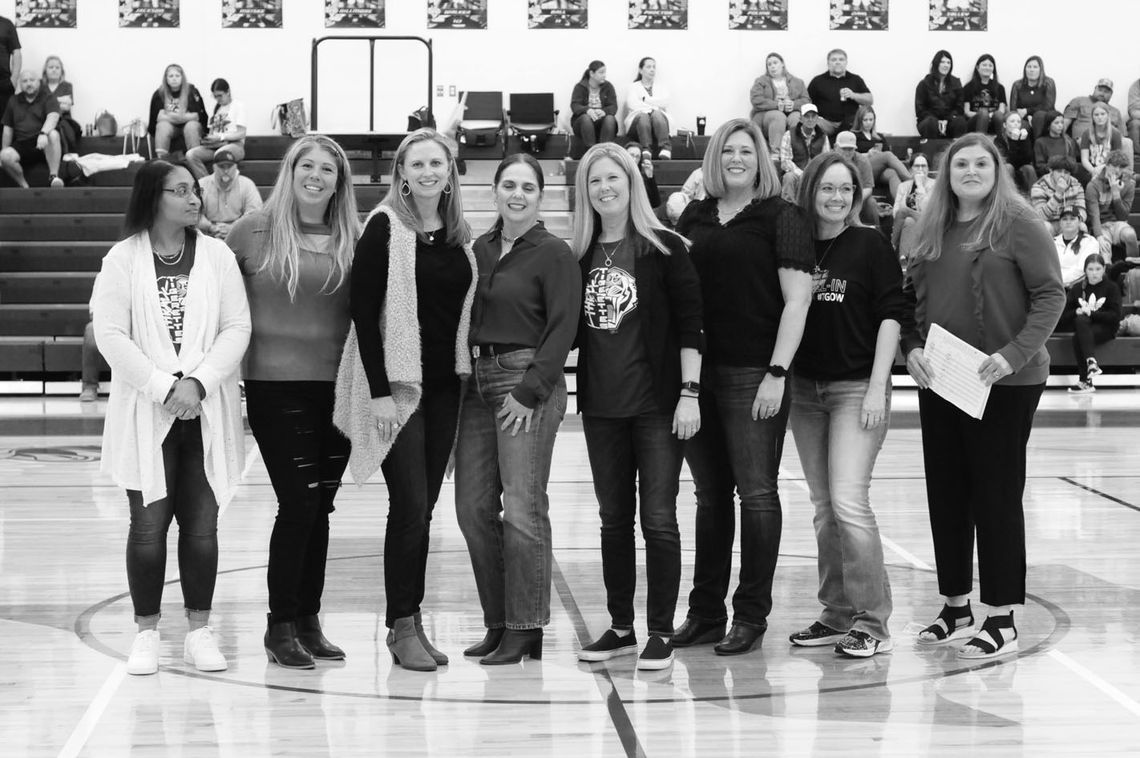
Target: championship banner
[[758, 15], [354, 14], [148, 14], [658, 14], [557, 14], [46, 14], [859, 15], [959, 15], [457, 14], [251, 14]]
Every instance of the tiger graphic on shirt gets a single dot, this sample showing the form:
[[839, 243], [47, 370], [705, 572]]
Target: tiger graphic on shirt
[[611, 295]]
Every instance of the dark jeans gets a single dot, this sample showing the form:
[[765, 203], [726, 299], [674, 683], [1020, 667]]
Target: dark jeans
[[639, 452], [1086, 336], [591, 132], [975, 480], [955, 127], [651, 129], [305, 456], [414, 472], [731, 453], [190, 500]]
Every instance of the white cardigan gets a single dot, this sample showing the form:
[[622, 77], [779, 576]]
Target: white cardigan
[[132, 336], [637, 100]]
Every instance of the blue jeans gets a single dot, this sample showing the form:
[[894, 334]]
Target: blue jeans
[[732, 453], [500, 494], [627, 454], [837, 455]]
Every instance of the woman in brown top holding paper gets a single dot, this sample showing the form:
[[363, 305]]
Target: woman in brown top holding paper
[[981, 270]]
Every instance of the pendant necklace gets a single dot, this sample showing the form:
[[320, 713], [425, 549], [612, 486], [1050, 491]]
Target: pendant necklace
[[818, 270], [609, 262]]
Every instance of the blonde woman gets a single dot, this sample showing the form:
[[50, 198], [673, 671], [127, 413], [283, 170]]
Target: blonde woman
[[176, 109]]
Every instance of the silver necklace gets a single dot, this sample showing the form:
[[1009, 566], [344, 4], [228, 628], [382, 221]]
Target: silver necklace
[[172, 260], [610, 253]]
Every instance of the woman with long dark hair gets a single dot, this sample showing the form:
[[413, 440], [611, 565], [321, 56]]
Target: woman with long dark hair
[[938, 100], [983, 97], [1033, 95], [647, 112], [593, 106]]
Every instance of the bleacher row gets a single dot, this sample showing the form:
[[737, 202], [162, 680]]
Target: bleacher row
[[53, 240]]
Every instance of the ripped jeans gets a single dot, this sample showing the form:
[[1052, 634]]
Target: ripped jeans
[[305, 456]]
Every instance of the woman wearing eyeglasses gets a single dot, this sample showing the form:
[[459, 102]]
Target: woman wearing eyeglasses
[[171, 319]]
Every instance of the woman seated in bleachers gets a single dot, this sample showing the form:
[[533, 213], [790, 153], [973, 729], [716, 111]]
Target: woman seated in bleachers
[[1092, 312], [1054, 141], [176, 110], [646, 114], [1101, 138], [938, 100], [885, 165], [1033, 96], [776, 98], [909, 202], [56, 85], [593, 106], [983, 98], [1016, 147]]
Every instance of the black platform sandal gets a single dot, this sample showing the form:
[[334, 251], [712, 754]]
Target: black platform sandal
[[951, 624], [997, 637]]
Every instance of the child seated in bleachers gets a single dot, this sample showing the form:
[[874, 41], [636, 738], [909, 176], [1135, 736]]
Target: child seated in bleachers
[[1014, 143], [1092, 312], [1059, 191], [1074, 246]]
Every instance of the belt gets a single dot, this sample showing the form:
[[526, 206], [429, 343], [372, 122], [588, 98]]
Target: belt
[[495, 348]]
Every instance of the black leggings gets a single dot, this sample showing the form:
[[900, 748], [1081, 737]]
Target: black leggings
[[305, 456], [1087, 334]]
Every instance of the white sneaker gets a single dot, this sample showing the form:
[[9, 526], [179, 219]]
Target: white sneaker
[[201, 651], [143, 659]]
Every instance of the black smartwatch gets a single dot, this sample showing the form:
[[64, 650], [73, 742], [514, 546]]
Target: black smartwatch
[[778, 371], [694, 387]]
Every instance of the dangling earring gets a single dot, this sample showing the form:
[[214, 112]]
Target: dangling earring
[[447, 188], [405, 189]]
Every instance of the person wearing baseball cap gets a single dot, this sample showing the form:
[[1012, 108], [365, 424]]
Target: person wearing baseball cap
[[1078, 113], [845, 145], [1074, 246], [226, 194], [799, 146]]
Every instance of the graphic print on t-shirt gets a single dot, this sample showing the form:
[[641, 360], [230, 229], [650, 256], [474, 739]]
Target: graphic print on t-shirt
[[824, 289], [172, 302], [611, 295]]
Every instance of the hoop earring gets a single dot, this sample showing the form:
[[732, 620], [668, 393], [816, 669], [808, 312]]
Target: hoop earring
[[447, 188], [405, 189]]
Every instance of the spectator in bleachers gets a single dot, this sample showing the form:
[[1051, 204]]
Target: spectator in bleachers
[[11, 60], [983, 98], [1099, 140], [1092, 312], [1108, 200], [227, 129], [909, 202], [837, 94], [56, 84], [30, 135], [1074, 246], [1033, 96], [645, 167], [593, 106], [1078, 113], [1016, 147], [885, 165], [646, 112], [693, 189], [777, 97], [173, 435], [1054, 142], [938, 100], [176, 109], [226, 195], [1058, 191], [845, 145], [798, 147]]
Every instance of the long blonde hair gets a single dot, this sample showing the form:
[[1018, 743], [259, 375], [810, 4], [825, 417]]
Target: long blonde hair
[[587, 223], [450, 200], [282, 253], [1094, 138], [183, 92], [1000, 208]]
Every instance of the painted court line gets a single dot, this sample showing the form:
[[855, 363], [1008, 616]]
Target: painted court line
[[1101, 684], [79, 736]]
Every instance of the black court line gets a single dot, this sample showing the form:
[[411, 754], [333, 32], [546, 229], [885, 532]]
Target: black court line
[[614, 705], [1095, 491]]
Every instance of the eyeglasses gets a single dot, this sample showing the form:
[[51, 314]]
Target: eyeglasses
[[842, 189], [184, 191]]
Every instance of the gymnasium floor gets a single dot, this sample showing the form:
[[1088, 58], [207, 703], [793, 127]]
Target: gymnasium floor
[[65, 624]]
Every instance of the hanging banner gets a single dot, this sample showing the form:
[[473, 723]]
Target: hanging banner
[[859, 15], [758, 15], [557, 14], [354, 14], [51, 14], [959, 15], [251, 14], [457, 14], [148, 14], [658, 14]]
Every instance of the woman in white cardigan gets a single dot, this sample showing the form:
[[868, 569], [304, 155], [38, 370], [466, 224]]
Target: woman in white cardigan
[[171, 319], [646, 114]]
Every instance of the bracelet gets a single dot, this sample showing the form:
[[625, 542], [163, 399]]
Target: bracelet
[[691, 397]]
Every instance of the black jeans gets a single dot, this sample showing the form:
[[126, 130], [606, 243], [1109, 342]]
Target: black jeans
[[1086, 336], [414, 472], [642, 452], [955, 127], [975, 480], [734, 454], [305, 456], [190, 500]]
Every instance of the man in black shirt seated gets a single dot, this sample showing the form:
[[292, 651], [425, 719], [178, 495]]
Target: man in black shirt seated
[[838, 94], [30, 135]]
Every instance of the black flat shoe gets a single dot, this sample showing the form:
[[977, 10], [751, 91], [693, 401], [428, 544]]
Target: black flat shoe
[[489, 644], [693, 632], [740, 639], [516, 643]]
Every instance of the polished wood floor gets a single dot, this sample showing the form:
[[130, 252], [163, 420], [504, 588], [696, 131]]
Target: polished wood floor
[[65, 625]]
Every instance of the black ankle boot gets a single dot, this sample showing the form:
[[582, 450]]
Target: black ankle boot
[[283, 648], [694, 632], [489, 644], [310, 636], [515, 644], [740, 640]]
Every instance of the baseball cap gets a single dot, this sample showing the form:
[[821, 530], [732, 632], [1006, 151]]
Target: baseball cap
[[1070, 210], [808, 108], [225, 155], [845, 140], [1105, 82]]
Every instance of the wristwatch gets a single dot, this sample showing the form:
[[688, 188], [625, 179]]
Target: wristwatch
[[778, 371], [694, 387]]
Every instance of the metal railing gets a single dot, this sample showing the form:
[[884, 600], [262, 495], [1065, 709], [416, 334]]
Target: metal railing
[[372, 40]]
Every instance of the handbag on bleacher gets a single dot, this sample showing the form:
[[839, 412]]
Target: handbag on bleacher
[[290, 118]]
